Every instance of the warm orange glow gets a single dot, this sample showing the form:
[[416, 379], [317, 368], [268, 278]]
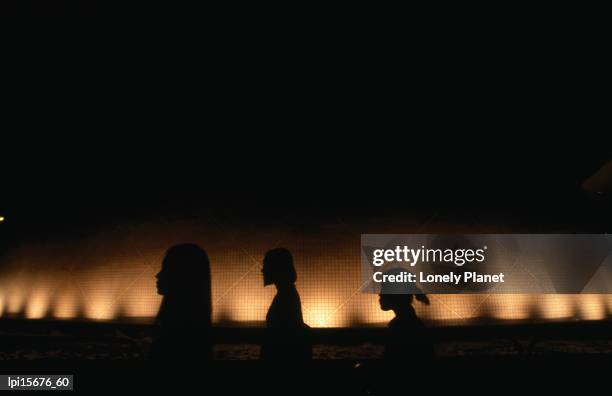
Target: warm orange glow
[[450, 307], [510, 306], [15, 301], [321, 314], [112, 276], [140, 299], [100, 306], [37, 305], [235, 310], [555, 306], [141, 308], [318, 311], [591, 307], [364, 309], [65, 306], [608, 299]]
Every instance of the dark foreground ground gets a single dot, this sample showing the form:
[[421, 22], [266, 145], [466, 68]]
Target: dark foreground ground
[[108, 358], [485, 375]]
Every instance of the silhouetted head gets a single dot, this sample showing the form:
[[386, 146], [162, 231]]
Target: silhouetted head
[[185, 270], [395, 302], [278, 268], [398, 296]]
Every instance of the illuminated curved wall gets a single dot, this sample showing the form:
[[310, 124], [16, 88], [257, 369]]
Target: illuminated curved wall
[[111, 276]]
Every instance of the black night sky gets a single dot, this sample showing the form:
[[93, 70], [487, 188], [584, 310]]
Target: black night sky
[[304, 179]]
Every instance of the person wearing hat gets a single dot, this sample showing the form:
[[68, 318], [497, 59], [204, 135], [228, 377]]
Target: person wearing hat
[[407, 338]]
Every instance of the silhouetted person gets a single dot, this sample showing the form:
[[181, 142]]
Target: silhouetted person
[[287, 336], [183, 323], [407, 339]]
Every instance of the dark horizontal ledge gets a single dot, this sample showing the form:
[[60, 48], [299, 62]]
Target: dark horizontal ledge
[[31, 332]]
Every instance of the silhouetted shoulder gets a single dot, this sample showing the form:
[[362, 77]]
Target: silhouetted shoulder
[[285, 310]]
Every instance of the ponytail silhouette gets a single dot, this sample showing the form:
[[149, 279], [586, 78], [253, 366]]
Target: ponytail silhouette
[[407, 340]]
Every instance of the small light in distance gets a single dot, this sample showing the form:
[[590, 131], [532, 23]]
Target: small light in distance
[[1, 219]]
